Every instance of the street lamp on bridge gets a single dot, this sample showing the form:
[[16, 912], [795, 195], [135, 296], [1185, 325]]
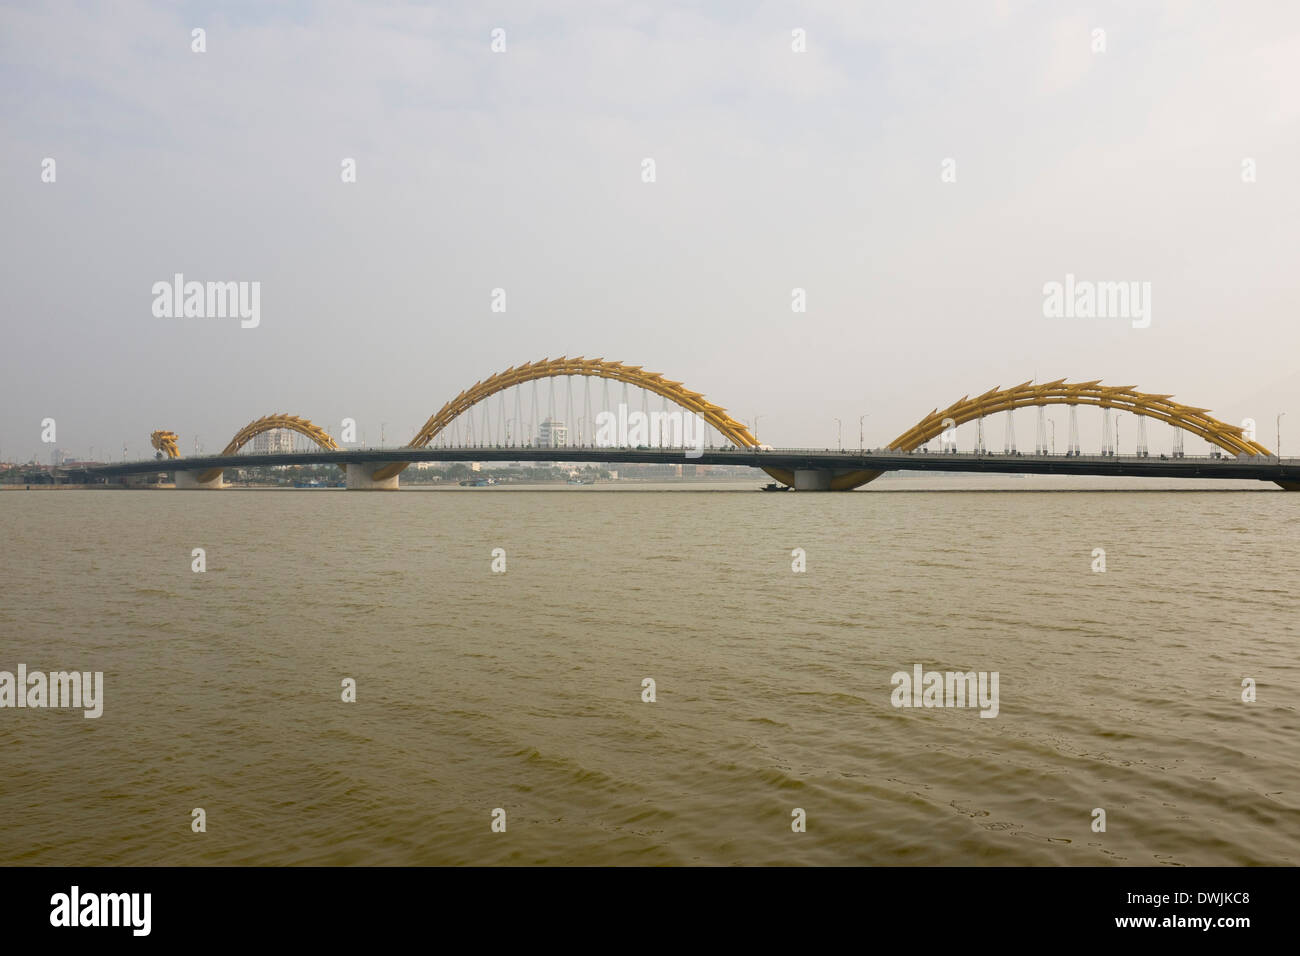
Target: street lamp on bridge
[[1278, 443], [861, 419]]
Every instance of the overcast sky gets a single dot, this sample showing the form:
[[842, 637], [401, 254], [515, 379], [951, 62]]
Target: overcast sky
[[522, 170]]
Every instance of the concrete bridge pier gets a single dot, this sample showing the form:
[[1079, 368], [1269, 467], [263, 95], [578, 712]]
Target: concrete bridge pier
[[361, 478], [812, 479], [189, 480], [828, 479]]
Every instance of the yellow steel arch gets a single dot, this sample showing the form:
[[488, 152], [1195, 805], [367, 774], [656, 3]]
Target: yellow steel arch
[[268, 423], [165, 441], [655, 382], [1198, 421]]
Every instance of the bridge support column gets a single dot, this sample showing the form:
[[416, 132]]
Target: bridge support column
[[361, 478], [189, 480], [812, 479]]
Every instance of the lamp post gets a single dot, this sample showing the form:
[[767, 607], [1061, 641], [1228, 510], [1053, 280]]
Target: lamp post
[[839, 435], [861, 420], [1052, 425], [756, 418], [1278, 444]]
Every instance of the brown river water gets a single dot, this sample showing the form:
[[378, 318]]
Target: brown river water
[[522, 690]]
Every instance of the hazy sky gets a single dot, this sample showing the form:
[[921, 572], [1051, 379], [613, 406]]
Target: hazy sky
[[522, 170]]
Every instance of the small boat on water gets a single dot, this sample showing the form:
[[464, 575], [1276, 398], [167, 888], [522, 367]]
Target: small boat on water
[[774, 486]]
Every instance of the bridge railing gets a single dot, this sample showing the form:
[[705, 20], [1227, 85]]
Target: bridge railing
[[846, 453]]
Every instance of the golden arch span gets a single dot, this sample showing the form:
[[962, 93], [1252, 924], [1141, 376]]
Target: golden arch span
[[265, 424], [1196, 420], [655, 382]]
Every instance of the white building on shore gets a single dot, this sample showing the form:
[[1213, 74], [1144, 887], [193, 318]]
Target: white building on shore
[[277, 441], [552, 434]]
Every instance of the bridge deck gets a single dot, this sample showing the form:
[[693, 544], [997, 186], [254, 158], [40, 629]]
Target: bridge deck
[[1257, 468]]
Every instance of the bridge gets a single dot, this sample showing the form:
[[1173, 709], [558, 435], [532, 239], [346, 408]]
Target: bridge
[[703, 433]]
